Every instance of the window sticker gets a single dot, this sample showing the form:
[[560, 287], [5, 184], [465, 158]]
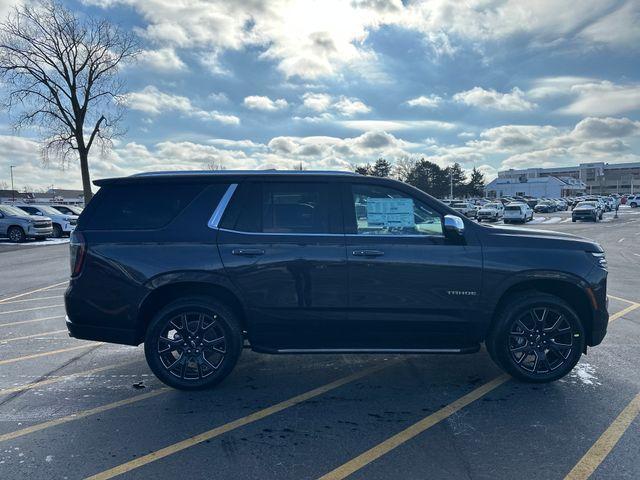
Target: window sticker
[[390, 213]]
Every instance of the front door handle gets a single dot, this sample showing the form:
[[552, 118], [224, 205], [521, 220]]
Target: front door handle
[[247, 251], [367, 253]]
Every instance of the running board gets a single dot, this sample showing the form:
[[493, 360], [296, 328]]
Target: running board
[[471, 349]]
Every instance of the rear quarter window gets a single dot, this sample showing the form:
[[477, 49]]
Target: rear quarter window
[[138, 206]]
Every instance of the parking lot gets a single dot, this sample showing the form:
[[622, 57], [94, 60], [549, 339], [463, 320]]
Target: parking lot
[[76, 409]]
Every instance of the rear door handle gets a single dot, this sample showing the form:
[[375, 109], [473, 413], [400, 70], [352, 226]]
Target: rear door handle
[[367, 253], [247, 251]]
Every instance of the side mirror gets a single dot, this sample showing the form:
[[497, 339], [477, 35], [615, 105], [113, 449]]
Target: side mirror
[[453, 224]]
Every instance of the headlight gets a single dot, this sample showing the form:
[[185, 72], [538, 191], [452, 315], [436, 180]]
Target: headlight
[[66, 219], [599, 258]]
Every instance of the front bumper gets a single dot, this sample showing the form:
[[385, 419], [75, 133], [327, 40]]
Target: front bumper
[[34, 231], [588, 215]]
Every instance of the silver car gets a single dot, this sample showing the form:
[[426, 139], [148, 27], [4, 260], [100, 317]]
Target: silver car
[[62, 224], [18, 225]]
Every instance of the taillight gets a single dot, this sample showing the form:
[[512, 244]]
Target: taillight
[[77, 250]]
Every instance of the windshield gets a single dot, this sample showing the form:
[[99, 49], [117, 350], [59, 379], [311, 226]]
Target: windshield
[[46, 209], [492, 205], [586, 204], [512, 208], [9, 210], [460, 205]]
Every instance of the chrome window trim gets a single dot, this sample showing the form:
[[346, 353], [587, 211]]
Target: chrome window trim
[[214, 221], [326, 234]]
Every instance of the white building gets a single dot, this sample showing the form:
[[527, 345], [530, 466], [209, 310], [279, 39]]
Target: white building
[[541, 187], [599, 177]]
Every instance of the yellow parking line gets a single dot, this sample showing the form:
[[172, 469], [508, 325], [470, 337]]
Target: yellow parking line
[[603, 446], [44, 354], [62, 378], [23, 300], [44, 334], [621, 299], [30, 321], [407, 434], [227, 427], [34, 291], [31, 309], [623, 312], [79, 415]]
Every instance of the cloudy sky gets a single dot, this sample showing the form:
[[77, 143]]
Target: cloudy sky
[[494, 84]]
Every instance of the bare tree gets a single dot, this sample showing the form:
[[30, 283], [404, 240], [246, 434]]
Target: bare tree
[[62, 74]]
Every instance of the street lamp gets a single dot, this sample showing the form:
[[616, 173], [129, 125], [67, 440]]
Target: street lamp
[[13, 192]]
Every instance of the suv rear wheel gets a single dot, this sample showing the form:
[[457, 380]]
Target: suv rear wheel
[[537, 338], [193, 343]]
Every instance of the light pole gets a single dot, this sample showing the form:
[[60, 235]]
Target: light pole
[[13, 192]]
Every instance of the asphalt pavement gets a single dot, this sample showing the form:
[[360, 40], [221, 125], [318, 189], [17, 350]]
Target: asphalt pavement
[[73, 409]]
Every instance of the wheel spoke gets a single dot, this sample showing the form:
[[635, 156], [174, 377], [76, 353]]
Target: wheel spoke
[[521, 348], [524, 327]]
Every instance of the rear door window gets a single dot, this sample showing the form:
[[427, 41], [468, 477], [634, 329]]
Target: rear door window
[[139, 206], [284, 207]]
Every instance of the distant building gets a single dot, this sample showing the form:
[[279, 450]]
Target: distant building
[[599, 177], [540, 187]]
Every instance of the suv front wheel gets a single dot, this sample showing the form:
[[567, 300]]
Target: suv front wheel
[[193, 343], [537, 338]]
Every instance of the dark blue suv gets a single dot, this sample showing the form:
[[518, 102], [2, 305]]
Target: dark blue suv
[[198, 265]]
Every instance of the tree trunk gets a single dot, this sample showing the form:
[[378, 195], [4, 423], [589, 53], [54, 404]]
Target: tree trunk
[[84, 170]]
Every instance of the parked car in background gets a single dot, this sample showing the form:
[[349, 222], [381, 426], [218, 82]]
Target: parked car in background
[[68, 209], [62, 224], [465, 208], [633, 201], [517, 213], [18, 225], [561, 204], [545, 206], [589, 210], [491, 211], [266, 260]]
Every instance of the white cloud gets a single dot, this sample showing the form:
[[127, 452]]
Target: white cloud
[[432, 101], [318, 102], [152, 101], [342, 105], [393, 125], [619, 28], [163, 60], [479, 97], [350, 106], [311, 39], [603, 98], [256, 102], [591, 128]]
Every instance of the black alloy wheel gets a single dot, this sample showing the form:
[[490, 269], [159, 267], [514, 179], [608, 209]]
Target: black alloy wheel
[[193, 343], [536, 338], [16, 235], [540, 340]]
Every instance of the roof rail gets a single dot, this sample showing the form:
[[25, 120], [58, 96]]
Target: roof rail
[[243, 172]]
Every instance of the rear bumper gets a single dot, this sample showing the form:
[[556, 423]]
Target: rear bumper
[[102, 334]]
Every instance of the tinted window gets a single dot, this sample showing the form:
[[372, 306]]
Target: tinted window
[[140, 207], [283, 208], [295, 208], [385, 211], [30, 210]]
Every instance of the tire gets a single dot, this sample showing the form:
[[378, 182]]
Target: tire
[[207, 320], [57, 231], [600, 216], [519, 344], [634, 205], [16, 235], [573, 220]]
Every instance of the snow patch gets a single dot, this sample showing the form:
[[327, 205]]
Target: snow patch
[[585, 373]]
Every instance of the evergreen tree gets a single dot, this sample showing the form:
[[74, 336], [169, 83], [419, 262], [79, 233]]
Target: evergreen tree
[[475, 186], [382, 168]]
